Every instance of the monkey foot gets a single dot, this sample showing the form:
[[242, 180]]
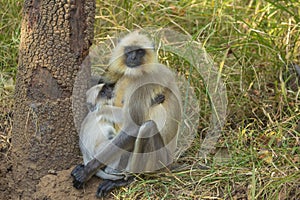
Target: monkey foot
[[108, 185], [78, 176]]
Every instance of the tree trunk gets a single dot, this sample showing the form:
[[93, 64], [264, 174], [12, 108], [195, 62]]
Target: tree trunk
[[55, 39]]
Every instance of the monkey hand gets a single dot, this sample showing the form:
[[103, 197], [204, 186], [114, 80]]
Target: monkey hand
[[79, 177], [160, 98]]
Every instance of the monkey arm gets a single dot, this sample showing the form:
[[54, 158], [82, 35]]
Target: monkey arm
[[82, 173], [121, 144], [111, 113]]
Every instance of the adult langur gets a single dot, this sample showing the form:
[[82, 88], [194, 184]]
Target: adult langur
[[147, 138]]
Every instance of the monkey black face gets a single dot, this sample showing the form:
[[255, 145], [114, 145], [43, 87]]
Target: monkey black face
[[134, 56], [107, 91]]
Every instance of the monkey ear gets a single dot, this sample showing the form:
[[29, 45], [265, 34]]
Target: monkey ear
[[100, 86]]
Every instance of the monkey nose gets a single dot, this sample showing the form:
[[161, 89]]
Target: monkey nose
[[109, 95], [132, 55]]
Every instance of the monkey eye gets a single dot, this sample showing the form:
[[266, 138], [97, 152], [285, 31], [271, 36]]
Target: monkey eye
[[140, 51], [102, 93], [134, 49]]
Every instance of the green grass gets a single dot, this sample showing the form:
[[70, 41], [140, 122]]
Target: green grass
[[10, 18], [253, 43]]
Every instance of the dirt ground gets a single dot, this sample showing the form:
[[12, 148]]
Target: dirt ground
[[53, 186], [59, 186]]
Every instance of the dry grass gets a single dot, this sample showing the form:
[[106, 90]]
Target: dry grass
[[254, 44]]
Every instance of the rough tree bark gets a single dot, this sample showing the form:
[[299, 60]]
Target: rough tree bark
[[55, 38]]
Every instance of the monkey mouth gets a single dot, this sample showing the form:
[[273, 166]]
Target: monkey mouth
[[133, 64]]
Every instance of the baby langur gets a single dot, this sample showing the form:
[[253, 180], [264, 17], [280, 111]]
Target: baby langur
[[97, 130], [148, 136]]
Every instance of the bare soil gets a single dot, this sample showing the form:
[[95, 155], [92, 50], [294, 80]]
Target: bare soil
[[55, 185], [59, 186]]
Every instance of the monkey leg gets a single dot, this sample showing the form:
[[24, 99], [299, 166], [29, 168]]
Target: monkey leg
[[108, 185], [145, 147], [150, 152], [148, 139]]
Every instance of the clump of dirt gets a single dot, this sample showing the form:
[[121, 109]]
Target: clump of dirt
[[58, 185]]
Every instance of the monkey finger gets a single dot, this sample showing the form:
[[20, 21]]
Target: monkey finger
[[104, 188], [160, 98], [77, 184], [108, 185]]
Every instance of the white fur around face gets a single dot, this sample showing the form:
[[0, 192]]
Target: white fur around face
[[138, 39]]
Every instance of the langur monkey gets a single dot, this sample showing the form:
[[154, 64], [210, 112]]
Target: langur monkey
[[96, 129], [148, 136]]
